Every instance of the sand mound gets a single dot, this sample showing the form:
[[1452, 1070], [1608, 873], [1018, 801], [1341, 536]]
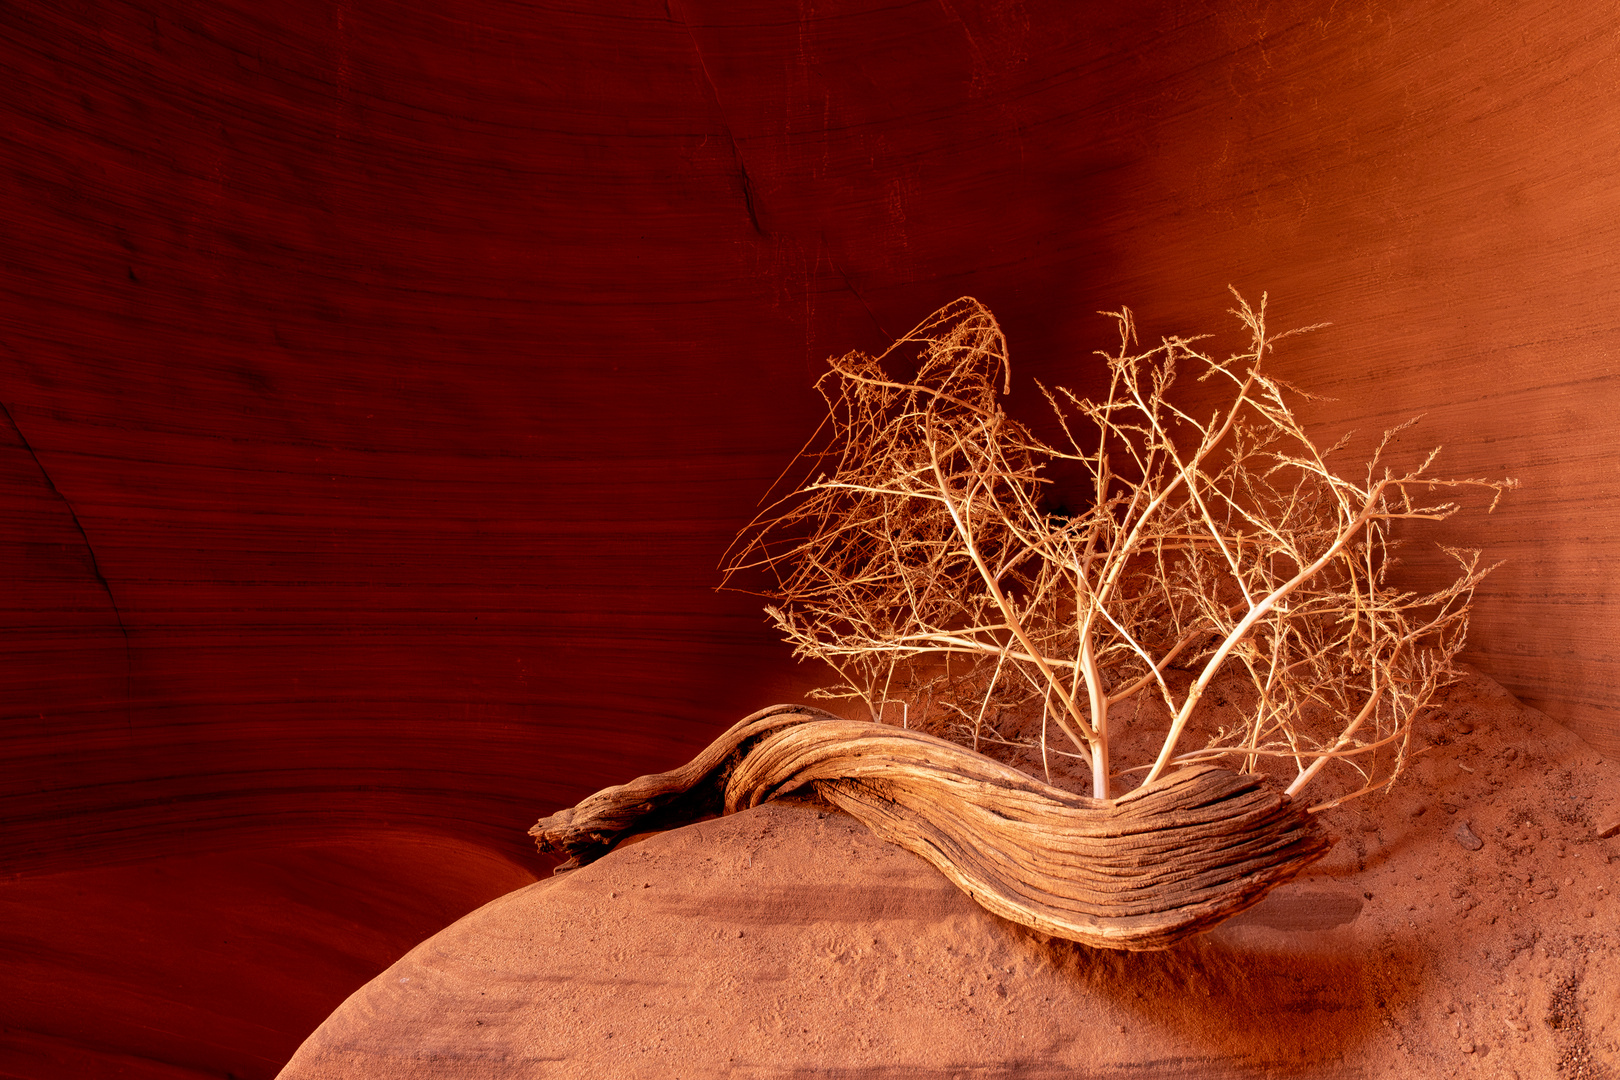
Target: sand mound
[[1464, 925]]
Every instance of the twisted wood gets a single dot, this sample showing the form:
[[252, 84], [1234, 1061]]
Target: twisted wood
[[1143, 871]]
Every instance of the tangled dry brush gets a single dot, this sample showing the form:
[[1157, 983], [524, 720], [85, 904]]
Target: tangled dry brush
[[1213, 553]]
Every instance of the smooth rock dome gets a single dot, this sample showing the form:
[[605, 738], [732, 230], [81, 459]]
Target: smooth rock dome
[[787, 940]]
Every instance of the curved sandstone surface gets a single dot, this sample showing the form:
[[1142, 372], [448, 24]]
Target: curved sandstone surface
[[787, 940], [219, 963]]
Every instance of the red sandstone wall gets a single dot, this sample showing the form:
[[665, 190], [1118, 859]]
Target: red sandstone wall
[[382, 381]]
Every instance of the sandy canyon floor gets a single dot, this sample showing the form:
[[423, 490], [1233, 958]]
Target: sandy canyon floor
[[1463, 925]]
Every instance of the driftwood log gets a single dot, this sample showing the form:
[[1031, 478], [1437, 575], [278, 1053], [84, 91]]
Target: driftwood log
[[1143, 871]]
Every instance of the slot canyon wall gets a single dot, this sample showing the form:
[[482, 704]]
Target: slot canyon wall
[[383, 381]]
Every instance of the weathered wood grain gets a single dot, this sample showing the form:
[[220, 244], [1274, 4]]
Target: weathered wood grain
[[1156, 866]]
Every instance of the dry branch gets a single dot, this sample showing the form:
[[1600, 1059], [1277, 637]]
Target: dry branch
[[1167, 861], [926, 560], [1216, 545]]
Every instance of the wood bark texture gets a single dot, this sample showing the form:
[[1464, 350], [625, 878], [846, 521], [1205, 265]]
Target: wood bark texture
[[1153, 867]]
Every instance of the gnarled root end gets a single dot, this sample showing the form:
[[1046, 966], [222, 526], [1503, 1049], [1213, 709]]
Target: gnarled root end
[[1144, 871]]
